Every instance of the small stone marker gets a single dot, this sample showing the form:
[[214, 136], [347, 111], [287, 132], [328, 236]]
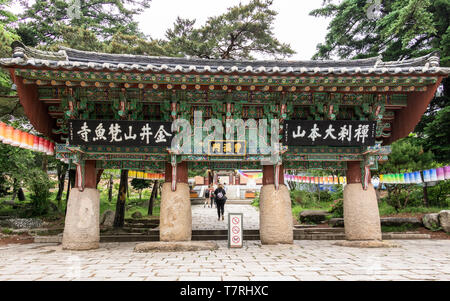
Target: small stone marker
[[235, 230]]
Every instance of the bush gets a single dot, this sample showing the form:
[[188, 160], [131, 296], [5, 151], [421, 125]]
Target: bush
[[303, 198], [255, 201], [39, 185], [337, 208], [439, 195], [7, 231], [325, 196]]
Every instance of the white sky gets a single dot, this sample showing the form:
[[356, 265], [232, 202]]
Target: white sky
[[292, 25]]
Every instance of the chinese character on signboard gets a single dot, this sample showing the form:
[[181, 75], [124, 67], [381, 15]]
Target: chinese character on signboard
[[331, 133]]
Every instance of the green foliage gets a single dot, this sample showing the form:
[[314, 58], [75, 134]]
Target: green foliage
[[237, 34], [255, 201], [7, 231], [39, 184], [337, 208], [14, 167], [139, 184], [406, 156], [45, 21], [437, 133], [406, 28], [402, 228], [439, 195]]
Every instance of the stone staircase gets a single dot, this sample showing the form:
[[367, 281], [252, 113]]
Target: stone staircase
[[147, 230]]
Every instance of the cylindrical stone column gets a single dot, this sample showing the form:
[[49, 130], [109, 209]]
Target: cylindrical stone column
[[81, 228], [361, 214], [175, 215], [275, 213]]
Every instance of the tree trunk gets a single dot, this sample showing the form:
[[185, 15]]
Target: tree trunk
[[425, 192], [45, 163], [99, 176], [70, 184], [110, 189], [152, 197], [121, 199], [21, 195], [61, 175], [15, 188]]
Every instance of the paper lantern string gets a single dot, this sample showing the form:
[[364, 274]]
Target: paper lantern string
[[18, 138], [429, 175]]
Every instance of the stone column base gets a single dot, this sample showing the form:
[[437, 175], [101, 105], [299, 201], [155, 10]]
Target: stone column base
[[81, 228], [275, 215], [175, 222], [361, 215]]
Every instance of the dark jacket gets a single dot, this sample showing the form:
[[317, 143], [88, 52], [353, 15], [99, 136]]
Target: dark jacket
[[216, 192]]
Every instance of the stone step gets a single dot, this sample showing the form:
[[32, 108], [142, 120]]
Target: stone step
[[223, 235], [142, 221]]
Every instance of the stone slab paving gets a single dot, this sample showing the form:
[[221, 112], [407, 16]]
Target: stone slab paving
[[205, 218], [304, 260]]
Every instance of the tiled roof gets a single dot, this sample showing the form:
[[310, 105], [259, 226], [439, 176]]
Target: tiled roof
[[69, 59]]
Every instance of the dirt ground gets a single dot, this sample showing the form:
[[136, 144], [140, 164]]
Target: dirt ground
[[15, 239]]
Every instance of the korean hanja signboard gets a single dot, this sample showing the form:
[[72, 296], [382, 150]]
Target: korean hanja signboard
[[120, 133], [328, 132]]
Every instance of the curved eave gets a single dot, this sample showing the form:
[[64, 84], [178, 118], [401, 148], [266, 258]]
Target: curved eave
[[249, 70]]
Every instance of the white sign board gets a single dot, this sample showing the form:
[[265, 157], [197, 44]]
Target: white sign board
[[235, 230]]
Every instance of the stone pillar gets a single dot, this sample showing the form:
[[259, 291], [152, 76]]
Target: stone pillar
[[81, 228], [175, 216], [361, 215], [275, 214]]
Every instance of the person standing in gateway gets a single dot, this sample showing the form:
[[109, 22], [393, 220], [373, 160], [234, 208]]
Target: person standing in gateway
[[220, 198]]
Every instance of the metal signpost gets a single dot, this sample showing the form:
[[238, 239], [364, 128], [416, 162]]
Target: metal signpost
[[235, 230]]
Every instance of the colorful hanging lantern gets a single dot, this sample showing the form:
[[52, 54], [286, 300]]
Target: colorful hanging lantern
[[440, 174], [23, 139], [52, 148], [29, 141], [427, 175], [47, 147], [447, 172], [8, 134], [16, 137], [41, 144], [433, 175], [417, 177], [36, 143], [2, 130], [406, 177]]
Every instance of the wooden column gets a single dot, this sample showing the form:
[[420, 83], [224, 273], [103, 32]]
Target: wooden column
[[353, 172], [90, 175], [182, 172], [269, 175]]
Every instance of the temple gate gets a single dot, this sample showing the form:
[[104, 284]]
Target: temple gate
[[71, 94]]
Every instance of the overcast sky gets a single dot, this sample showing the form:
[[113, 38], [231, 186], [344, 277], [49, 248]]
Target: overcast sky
[[292, 25]]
